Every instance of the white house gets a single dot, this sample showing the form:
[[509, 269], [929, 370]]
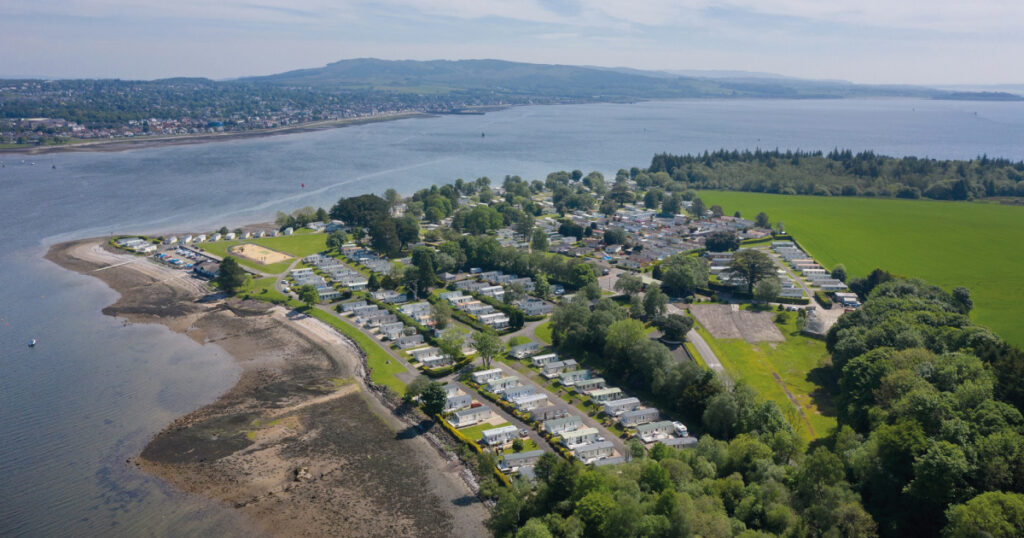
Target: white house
[[579, 436], [471, 416], [655, 431], [617, 407], [500, 436], [513, 461], [541, 360], [570, 378], [530, 401], [605, 395], [639, 416], [483, 376], [559, 425], [591, 452], [456, 403], [511, 393], [498, 320], [594, 383], [501, 384]]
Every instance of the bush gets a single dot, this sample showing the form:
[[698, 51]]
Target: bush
[[822, 299]]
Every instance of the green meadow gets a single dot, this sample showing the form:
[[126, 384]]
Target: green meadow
[[299, 245], [973, 244]]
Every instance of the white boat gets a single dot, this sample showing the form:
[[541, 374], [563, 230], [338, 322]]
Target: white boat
[[32, 343]]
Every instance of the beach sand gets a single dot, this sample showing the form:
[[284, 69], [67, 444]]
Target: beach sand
[[302, 445]]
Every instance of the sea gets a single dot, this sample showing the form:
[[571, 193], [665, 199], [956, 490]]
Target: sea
[[93, 391]]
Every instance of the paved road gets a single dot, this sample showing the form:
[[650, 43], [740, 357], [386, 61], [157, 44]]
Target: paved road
[[703, 348], [796, 278], [495, 408]]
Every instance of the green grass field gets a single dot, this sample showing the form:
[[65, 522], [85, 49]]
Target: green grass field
[[474, 433], [977, 245], [792, 360], [298, 245], [383, 366], [543, 332]]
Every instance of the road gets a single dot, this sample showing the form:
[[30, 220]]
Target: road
[[796, 278], [703, 348]]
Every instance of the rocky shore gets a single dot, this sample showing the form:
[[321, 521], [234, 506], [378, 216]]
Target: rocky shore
[[301, 445]]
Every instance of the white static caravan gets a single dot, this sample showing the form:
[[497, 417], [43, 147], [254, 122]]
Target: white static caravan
[[499, 436]]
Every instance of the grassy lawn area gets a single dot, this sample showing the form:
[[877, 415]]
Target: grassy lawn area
[[264, 289], [383, 366], [543, 332], [792, 360], [474, 433], [695, 354], [971, 244], [299, 245]]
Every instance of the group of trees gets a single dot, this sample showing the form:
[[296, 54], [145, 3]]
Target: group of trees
[[300, 217], [838, 173]]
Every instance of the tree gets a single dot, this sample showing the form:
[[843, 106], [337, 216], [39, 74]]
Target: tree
[[698, 209], [629, 284], [721, 415], [433, 399], [308, 295], [516, 319], [767, 289], [524, 226], [608, 207], [415, 387], [994, 514], [541, 286], [534, 528], [360, 210], [336, 239], [392, 198], [321, 215], [762, 220], [488, 346], [753, 266], [591, 291], [231, 275], [671, 205], [722, 241], [839, 272], [655, 302], [682, 275], [384, 237], [407, 228], [517, 445], [441, 312], [962, 298], [451, 342], [614, 236], [717, 210], [423, 261], [652, 198], [539, 242], [674, 327]]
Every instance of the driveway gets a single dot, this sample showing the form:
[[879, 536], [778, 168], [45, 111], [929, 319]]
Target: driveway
[[703, 348]]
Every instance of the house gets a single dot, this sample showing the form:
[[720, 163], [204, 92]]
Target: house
[[655, 431], [500, 436], [511, 462], [456, 403], [564, 424], [594, 383], [552, 369], [579, 436], [605, 395], [535, 307], [451, 389], [186, 240], [471, 416], [498, 320], [570, 378], [617, 407], [511, 393], [289, 231], [594, 451], [639, 416], [501, 384], [448, 277], [215, 236], [171, 240], [523, 350], [483, 376], [436, 361], [206, 269], [498, 292], [393, 331], [530, 401], [230, 236], [328, 294], [407, 342], [680, 442], [541, 360], [549, 412], [424, 353], [608, 461]]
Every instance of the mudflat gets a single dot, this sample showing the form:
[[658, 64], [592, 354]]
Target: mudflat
[[301, 445]]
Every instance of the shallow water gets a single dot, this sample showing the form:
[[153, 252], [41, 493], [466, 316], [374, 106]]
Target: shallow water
[[92, 393]]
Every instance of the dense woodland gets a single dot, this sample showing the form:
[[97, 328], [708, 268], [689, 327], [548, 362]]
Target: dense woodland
[[838, 173]]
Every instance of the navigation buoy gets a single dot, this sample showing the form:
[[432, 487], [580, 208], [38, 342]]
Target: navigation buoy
[[303, 185]]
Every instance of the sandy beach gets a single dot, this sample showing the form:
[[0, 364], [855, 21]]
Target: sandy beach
[[122, 144], [301, 445]]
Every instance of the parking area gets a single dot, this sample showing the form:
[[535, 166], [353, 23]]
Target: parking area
[[728, 322]]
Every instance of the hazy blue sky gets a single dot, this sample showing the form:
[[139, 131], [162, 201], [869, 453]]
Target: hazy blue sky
[[911, 41]]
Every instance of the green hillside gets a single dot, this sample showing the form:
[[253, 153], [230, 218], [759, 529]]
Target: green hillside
[[977, 245]]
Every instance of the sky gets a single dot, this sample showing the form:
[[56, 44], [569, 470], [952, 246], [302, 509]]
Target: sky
[[867, 41]]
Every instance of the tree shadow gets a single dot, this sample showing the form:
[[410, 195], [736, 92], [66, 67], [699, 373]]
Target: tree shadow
[[465, 500], [825, 378], [415, 430]]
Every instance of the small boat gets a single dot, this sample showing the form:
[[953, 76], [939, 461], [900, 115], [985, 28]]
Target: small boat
[[482, 135], [32, 343]]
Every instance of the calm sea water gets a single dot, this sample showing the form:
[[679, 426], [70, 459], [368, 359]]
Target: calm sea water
[[92, 393]]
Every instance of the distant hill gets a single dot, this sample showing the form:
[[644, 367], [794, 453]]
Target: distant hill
[[580, 83]]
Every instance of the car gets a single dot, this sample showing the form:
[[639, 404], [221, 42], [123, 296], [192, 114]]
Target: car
[[605, 271], [600, 439], [523, 433]]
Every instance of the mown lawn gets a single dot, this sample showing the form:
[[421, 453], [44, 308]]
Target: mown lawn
[[383, 366], [474, 433], [793, 360], [971, 244], [264, 289], [543, 332]]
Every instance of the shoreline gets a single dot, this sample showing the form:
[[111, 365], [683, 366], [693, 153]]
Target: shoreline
[[299, 446], [125, 144]]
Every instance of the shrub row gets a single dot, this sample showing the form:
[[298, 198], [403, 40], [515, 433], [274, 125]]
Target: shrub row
[[822, 299], [446, 370], [502, 477]]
